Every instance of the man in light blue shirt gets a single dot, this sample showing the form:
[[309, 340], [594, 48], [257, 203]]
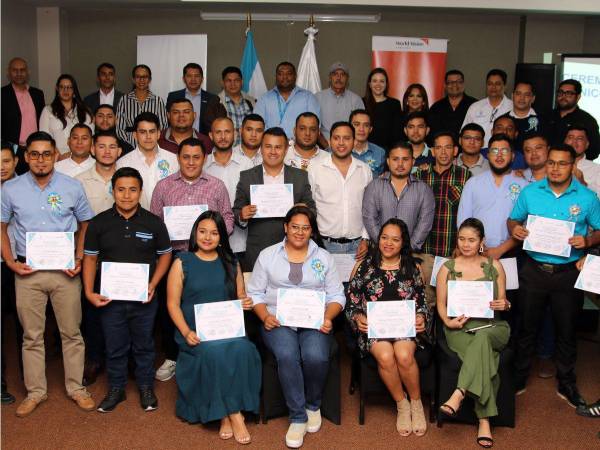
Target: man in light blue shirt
[[366, 151], [548, 279], [285, 102]]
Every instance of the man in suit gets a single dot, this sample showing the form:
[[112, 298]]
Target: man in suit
[[107, 94], [268, 231], [192, 78]]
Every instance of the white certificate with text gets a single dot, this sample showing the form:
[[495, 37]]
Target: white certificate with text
[[219, 320], [589, 277], [549, 236], [50, 250], [125, 281], [344, 264], [180, 219], [302, 308], [470, 298], [271, 200], [391, 319]]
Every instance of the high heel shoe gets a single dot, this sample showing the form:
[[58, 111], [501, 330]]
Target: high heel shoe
[[403, 420], [448, 410], [419, 423]]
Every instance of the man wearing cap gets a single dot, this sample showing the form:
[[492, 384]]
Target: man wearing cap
[[337, 102]]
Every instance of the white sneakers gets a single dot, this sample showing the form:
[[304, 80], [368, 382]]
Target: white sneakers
[[294, 437], [166, 371]]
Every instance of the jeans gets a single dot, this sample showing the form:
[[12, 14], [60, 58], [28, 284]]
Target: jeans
[[348, 248], [129, 325], [545, 341], [91, 329], [302, 364]]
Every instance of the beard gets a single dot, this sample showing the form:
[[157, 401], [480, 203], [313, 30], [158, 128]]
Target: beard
[[500, 170]]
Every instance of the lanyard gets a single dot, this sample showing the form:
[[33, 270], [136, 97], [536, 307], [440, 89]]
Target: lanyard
[[282, 109]]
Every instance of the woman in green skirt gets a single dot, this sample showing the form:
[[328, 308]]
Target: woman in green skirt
[[479, 350]]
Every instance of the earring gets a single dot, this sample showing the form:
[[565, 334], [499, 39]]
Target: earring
[[481, 248]]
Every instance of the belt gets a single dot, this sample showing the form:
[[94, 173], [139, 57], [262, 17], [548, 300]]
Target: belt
[[340, 240], [553, 268]]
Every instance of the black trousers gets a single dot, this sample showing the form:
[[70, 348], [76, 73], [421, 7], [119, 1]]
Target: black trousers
[[538, 289]]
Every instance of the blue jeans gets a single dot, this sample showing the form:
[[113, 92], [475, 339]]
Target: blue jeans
[[335, 247], [302, 364], [129, 326]]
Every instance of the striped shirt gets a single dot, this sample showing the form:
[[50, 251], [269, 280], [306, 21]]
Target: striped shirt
[[447, 188], [415, 206], [129, 108]]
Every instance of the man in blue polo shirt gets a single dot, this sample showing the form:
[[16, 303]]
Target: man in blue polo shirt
[[43, 200], [548, 279]]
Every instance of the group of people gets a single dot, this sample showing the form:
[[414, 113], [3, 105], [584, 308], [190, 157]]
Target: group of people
[[393, 184]]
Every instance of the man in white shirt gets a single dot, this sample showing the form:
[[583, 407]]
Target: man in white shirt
[[107, 94], [304, 151], [253, 128], [80, 144], [495, 104], [577, 137], [338, 184], [153, 162], [226, 165]]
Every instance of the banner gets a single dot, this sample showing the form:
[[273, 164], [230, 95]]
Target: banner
[[410, 60]]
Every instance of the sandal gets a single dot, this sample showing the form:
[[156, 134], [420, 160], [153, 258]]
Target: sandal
[[226, 434], [485, 442], [448, 410], [419, 423], [403, 420]]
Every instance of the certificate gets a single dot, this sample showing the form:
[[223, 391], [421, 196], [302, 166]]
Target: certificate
[[302, 308], [50, 250], [391, 319], [125, 281], [271, 200], [437, 265], [344, 264], [471, 298], [180, 219], [589, 277], [219, 320], [512, 274], [549, 236]]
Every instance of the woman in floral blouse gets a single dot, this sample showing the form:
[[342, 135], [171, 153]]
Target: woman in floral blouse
[[390, 272]]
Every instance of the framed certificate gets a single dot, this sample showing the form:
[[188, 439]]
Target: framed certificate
[[180, 219], [589, 277], [271, 200], [391, 319], [50, 250], [437, 265], [470, 298], [125, 281], [344, 265], [219, 320], [549, 236], [302, 308]]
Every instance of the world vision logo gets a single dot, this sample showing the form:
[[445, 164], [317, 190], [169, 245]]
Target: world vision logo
[[412, 43]]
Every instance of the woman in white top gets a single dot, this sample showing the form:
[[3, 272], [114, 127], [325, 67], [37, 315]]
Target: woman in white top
[[66, 110]]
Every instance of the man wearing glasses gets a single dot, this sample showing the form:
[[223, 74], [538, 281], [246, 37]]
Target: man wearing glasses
[[44, 200], [546, 279], [471, 141], [449, 112], [567, 113]]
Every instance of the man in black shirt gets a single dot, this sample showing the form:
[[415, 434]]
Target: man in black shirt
[[127, 233], [568, 113], [449, 113]]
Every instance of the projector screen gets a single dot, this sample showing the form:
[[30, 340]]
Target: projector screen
[[586, 70]]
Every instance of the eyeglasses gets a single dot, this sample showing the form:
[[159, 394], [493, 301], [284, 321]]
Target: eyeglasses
[[467, 137], [560, 93], [561, 164], [47, 155], [499, 151], [303, 228]]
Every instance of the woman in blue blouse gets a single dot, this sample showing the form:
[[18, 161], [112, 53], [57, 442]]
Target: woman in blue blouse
[[302, 354]]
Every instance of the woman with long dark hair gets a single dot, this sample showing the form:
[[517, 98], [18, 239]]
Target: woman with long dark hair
[[386, 112], [302, 354], [390, 272], [216, 380], [66, 110], [415, 99]]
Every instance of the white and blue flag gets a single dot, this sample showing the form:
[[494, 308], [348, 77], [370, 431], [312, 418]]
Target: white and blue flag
[[254, 81]]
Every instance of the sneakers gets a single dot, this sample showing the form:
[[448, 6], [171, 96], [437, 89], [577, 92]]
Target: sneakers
[[112, 399], [28, 405], [592, 410], [314, 421], [148, 400], [166, 371], [571, 395], [84, 400], [294, 437]]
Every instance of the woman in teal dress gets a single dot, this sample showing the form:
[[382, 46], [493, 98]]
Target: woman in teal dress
[[479, 351], [216, 380]]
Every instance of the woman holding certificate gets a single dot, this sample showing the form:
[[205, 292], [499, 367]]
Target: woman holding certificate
[[297, 293], [390, 273], [470, 290], [216, 379]]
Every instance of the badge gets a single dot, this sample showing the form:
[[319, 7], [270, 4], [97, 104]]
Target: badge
[[163, 166], [54, 200], [319, 268], [533, 124], [574, 211], [513, 191]]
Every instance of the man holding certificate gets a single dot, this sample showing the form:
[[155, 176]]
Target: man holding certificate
[[132, 248], [264, 195], [50, 214], [559, 211]]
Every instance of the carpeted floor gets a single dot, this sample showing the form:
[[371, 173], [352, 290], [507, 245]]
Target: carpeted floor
[[543, 420]]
